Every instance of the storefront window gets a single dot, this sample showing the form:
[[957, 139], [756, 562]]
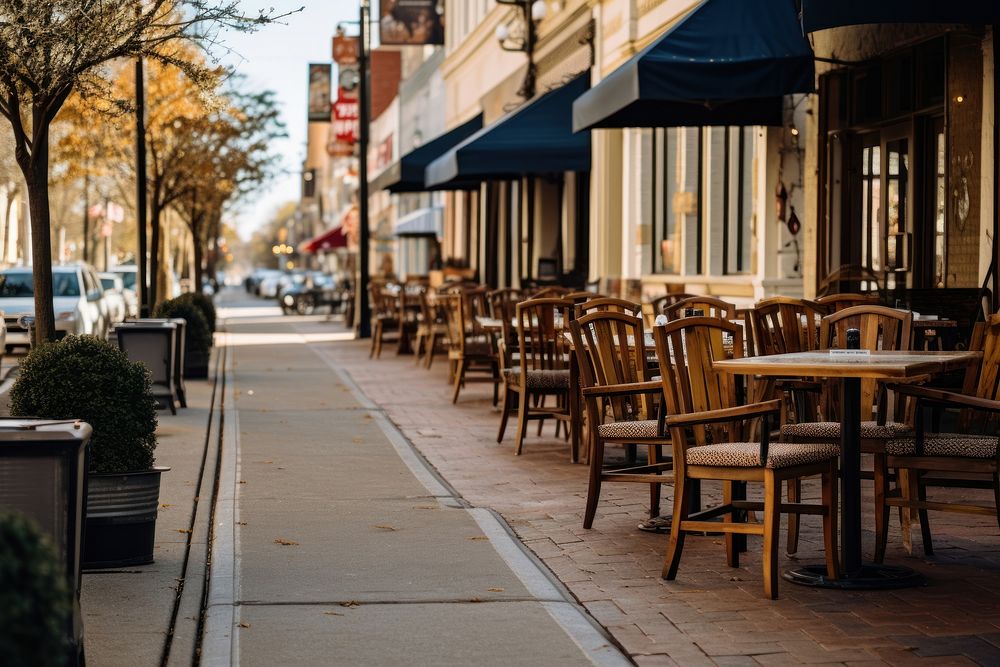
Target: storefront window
[[939, 202], [677, 191]]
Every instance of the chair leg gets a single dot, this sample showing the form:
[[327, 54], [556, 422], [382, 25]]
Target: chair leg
[[429, 353], [418, 347], [459, 379], [522, 420], [996, 495], [925, 524], [504, 413], [908, 491], [831, 484], [371, 350], [594, 488], [772, 528], [732, 552], [881, 508], [794, 494], [682, 501], [653, 457]]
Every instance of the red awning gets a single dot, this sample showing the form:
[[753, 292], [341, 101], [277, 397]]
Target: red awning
[[325, 242]]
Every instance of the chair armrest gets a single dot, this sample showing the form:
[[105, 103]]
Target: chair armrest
[[947, 398], [648, 387], [727, 414]]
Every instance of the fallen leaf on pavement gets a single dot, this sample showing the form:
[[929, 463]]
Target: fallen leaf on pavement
[[495, 590], [184, 530], [332, 613], [385, 527], [426, 507], [477, 538], [244, 625], [286, 543], [350, 604]]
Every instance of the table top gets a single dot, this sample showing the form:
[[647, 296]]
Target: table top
[[880, 365]]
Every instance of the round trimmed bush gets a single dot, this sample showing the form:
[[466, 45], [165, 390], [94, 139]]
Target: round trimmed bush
[[34, 596], [86, 378], [203, 303], [197, 337]]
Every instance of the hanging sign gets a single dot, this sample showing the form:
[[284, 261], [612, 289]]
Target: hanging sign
[[412, 22], [346, 118], [345, 50], [319, 92]]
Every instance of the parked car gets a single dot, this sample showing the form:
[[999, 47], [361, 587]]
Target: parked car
[[270, 285], [115, 293], [303, 296], [78, 300], [128, 273]]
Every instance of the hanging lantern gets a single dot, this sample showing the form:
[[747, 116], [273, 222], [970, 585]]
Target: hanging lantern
[[780, 201], [793, 223]]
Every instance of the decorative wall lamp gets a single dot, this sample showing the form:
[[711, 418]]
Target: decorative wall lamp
[[520, 35]]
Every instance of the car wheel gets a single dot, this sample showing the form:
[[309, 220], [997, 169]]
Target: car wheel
[[305, 304]]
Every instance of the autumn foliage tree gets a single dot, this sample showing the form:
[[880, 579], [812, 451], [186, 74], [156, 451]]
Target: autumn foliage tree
[[49, 48]]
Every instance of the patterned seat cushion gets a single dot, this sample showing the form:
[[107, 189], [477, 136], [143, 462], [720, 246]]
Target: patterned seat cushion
[[747, 454], [869, 430], [946, 444], [622, 430], [540, 379]]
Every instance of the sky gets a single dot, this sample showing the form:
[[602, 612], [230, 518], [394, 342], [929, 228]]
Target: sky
[[276, 58]]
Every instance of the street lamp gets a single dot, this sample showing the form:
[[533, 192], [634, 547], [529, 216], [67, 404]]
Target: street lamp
[[519, 35]]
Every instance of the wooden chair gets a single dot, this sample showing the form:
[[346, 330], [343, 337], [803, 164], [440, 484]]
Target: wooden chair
[[784, 324], [660, 303], [542, 368], [965, 459], [708, 305], [431, 330], [881, 328], [711, 437], [837, 302], [409, 309], [385, 316], [551, 292], [621, 403], [609, 304], [467, 352]]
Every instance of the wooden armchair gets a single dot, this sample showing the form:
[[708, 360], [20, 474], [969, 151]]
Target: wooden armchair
[[660, 303], [965, 459], [431, 329], [467, 352], [708, 305], [621, 401], [609, 304], [881, 328], [542, 368], [385, 316], [711, 437], [836, 302]]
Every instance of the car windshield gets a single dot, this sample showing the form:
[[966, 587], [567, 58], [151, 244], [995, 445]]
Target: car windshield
[[128, 279], [108, 283], [20, 284]]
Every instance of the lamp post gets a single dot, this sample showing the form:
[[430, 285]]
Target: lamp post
[[532, 12], [363, 309], [141, 290]]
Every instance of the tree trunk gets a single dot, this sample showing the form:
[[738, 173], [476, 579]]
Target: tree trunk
[[41, 242], [198, 271], [212, 238], [11, 193], [154, 251]]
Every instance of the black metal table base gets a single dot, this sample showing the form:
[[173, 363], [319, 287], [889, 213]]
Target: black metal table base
[[871, 577]]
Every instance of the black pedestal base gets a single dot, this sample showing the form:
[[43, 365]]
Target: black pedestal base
[[871, 577]]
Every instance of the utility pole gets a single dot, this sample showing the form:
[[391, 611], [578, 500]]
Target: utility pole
[[140, 186]]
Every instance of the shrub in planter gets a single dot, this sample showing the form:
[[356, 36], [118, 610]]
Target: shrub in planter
[[34, 596], [203, 303], [86, 378], [197, 340]]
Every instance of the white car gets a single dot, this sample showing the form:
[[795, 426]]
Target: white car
[[270, 286], [78, 301], [114, 293], [128, 273]]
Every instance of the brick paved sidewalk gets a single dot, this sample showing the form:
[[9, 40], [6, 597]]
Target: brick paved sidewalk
[[711, 614]]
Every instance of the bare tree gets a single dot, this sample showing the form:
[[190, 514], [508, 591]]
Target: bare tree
[[49, 48]]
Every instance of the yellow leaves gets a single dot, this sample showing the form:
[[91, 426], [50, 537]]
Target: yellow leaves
[[286, 543]]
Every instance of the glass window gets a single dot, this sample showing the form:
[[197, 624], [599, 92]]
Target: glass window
[[738, 209], [678, 201], [16, 284], [940, 228]]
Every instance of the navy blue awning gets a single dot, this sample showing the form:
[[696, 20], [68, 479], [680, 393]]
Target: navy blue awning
[[407, 174], [728, 62], [822, 14], [535, 139]]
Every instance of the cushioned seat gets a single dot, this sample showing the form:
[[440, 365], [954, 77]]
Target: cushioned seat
[[540, 379], [946, 444], [747, 454], [869, 430], [621, 430]]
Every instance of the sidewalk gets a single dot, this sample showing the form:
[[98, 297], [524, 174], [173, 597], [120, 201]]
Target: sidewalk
[[347, 549]]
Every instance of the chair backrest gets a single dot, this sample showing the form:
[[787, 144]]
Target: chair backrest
[[502, 303], [610, 349], [540, 327], [782, 324], [686, 349], [452, 306], [881, 328], [837, 302], [660, 303], [609, 304], [708, 305], [552, 291], [984, 381], [384, 299]]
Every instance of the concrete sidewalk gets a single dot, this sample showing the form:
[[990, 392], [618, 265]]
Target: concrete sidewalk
[[335, 544]]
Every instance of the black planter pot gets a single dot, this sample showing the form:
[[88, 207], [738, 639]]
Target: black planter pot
[[196, 364], [121, 518]]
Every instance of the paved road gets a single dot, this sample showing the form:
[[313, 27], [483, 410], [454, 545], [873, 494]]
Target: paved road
[[343, 547]]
